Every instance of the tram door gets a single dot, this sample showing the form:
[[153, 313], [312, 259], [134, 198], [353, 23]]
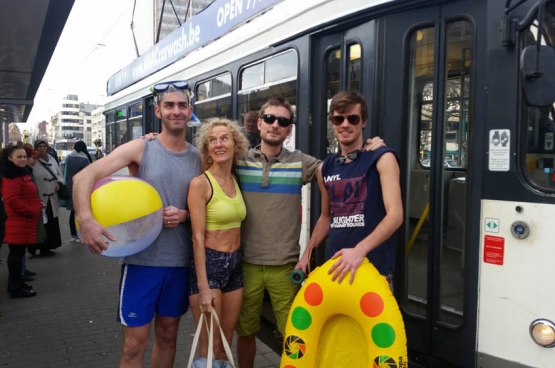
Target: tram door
[[416, 70], [427, 110]]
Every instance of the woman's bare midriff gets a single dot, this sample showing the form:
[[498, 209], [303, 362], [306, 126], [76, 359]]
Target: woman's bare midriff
[[228, 240]]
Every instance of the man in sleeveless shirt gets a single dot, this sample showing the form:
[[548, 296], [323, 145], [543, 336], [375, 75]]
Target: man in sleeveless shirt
[[361, 196], [154, 282]]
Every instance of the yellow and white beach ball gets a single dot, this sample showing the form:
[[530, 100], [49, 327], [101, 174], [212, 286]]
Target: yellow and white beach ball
[[130, 209]]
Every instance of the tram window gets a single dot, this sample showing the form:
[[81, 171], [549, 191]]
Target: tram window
[[355, 67], [121, 126], [214, 98], [420, 95], [455, 121], [459, 44], [252, 76], [539, 163], [252, 96], [333, 73], [214, 87], [222, 84], [280, 67], [216, 107], [136, 121], [333, 77], [254, 99], [110, 132]]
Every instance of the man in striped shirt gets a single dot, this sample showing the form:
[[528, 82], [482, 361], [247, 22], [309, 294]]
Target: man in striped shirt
[[271, 179]]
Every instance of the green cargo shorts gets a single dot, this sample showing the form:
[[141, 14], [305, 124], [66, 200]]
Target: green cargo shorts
[[282, 291]]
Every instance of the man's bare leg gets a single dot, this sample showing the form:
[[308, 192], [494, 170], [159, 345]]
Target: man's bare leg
[[135, 341], [165, 332], [246, 350]]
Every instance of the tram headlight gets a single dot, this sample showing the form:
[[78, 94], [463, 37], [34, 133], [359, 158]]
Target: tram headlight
[[542, 332]]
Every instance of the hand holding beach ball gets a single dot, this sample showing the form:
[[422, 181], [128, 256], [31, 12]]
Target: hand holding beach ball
[[129, 208]]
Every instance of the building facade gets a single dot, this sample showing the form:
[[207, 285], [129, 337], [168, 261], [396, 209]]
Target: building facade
[[73, 121], [170, 17], [98, 126]]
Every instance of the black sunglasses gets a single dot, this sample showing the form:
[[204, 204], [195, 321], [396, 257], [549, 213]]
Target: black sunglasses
[[270, 119], [352, 119], [163, 87], [351, 156]]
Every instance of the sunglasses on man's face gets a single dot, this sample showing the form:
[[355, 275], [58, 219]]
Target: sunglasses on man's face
[[270, 119], [163, 87], [339, 119]]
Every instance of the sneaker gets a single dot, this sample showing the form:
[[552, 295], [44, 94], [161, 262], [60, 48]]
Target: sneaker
[[73, 238], [77, 240]]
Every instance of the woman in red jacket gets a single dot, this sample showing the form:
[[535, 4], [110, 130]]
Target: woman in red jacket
[[23, 208]]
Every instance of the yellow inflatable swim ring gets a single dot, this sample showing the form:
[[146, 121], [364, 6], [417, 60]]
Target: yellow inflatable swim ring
[[342, 325]]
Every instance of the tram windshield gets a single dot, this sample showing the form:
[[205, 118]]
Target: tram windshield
[[540, 140]]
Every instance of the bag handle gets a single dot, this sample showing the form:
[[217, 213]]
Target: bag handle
[[210, 357], [227, 349], [195, 340], [48, 169]]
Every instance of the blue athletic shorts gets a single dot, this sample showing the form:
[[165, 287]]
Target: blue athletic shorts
[[224, 271], [145, 291]]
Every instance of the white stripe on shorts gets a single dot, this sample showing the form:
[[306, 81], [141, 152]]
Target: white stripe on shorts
[[125, 267]]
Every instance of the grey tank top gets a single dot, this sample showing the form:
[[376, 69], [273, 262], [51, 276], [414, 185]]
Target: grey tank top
[[170, 173]]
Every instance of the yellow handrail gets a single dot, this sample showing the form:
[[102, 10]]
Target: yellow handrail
[[417, 229]]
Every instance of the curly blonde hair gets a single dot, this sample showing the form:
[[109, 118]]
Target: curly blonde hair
[[237, 132]]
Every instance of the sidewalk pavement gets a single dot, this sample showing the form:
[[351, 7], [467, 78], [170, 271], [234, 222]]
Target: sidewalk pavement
[[72, 320]]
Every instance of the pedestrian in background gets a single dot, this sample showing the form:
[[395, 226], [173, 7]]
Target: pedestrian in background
[[77, 160], [23, 208], [250, 123], [32, 157], [98, 154], [47, 175]]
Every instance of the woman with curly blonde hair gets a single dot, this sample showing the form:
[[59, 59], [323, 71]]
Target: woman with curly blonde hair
[[217, 209]]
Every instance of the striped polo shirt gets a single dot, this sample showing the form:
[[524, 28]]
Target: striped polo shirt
[[272, 193]]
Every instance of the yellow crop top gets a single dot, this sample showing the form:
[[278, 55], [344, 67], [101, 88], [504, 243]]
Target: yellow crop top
[[223, 212]]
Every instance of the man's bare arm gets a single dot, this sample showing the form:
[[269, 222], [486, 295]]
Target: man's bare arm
[[91, 231]]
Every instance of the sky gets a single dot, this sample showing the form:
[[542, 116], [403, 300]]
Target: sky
[[96, 43]]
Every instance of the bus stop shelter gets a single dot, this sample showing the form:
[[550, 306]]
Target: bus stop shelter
[[29, 32]]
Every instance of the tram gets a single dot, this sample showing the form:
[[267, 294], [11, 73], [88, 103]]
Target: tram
[[462, 89], [64, 147]]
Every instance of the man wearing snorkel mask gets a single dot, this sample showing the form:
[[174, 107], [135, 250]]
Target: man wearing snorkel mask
[[154, 283]]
